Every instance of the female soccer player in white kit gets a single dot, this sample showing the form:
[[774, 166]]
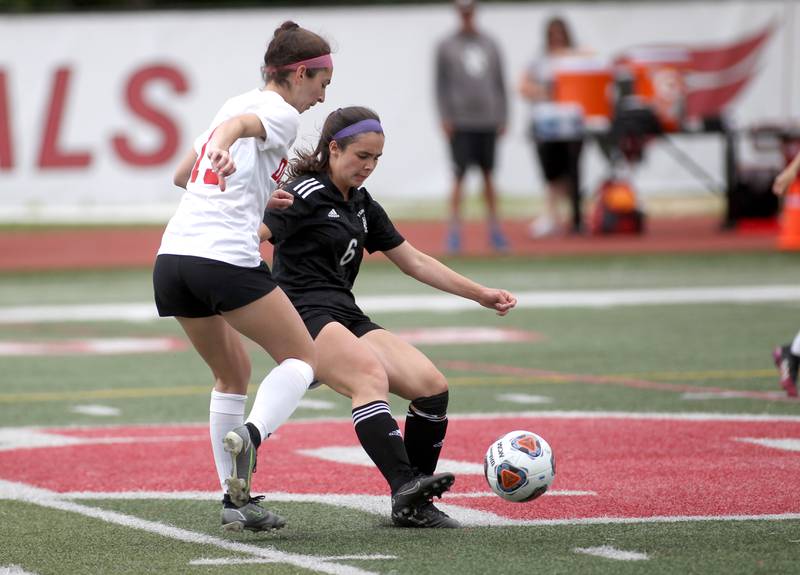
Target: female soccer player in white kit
[[209, 274]]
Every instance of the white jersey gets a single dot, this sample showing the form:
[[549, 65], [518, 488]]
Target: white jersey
[[220, 225]]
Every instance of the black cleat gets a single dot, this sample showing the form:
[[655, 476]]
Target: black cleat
[[418, 491], [428, 515]]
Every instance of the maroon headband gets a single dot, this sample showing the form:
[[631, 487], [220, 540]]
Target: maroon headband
[[324, 61]]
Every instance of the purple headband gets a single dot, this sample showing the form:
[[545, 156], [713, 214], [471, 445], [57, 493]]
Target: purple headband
[[359, 128]]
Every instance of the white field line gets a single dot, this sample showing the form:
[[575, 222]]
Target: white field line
[[31, 436], [355, 455], [276, 496], [317, 404], [654, 519], [523, 398], [52, 500], [608, 552], [96, 346], [96, 410], [14, 570], [26, 438], [443, 302], [527, 414], [704, 395], [235, 561], [648, 415], [548, 493], [379, 505]]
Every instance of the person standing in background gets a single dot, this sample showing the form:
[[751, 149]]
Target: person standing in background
[[557, 132], [472, 103]]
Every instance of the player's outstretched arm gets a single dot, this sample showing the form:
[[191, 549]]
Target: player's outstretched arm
[[431, 271], [217, 150]]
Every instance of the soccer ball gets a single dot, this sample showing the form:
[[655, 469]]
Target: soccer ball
[[519, 466]]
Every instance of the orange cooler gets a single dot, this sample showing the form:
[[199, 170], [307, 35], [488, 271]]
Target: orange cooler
[[584, 81]]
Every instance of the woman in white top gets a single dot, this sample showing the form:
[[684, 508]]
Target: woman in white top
[[557, 132], [209, 274]]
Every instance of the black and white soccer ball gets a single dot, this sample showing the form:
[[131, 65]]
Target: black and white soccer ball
[[520, 466]]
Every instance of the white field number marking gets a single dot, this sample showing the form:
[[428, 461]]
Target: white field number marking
[[13, 570], [96, 410], [608, 552], [787, 444], [524, 398]]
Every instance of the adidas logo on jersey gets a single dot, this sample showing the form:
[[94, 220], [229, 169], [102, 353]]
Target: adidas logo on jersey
[[333, 214]]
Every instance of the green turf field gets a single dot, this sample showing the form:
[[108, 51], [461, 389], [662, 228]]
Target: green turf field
[[709, 357]]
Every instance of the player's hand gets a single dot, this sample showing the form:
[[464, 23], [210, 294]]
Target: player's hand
[[498, 299], [280, 200], [783, 181], [222, 165]]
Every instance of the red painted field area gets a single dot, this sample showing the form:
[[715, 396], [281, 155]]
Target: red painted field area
[[637, 467]]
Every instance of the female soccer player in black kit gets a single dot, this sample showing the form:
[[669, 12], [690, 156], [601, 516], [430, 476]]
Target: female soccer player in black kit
[[319, 244]]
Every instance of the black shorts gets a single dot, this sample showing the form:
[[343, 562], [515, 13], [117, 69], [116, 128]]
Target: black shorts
[[188, 286], [473, 148], [559, 159], [315, 319]]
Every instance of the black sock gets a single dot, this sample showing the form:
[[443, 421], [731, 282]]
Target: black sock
[[426, 425], [255, 435], [381, 439]]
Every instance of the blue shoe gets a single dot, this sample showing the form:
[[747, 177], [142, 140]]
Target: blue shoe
[[454, 241], [498, 240]]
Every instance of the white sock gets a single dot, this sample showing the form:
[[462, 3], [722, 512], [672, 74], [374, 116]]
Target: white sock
[[279, 394], [796, 345], [226, 413]]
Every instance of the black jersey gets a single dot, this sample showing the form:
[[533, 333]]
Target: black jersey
[[320, 241]]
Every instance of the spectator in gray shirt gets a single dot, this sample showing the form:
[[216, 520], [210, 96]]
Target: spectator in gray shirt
[[471, 97]]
